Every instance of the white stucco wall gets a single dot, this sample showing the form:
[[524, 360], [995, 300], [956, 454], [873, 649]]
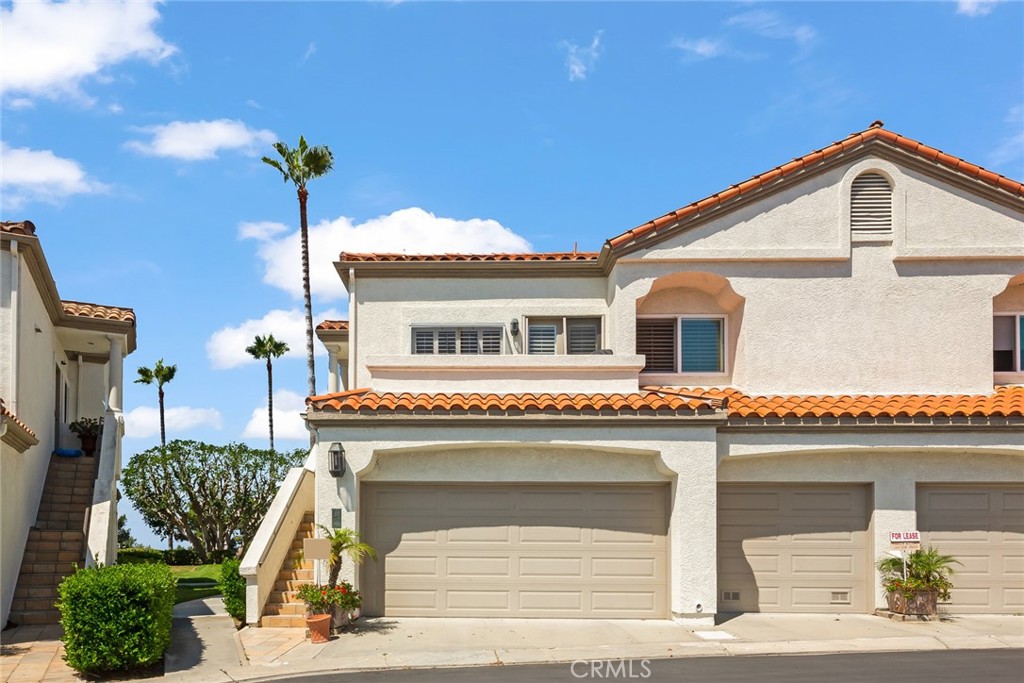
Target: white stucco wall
[[684, 456], [22, 475]]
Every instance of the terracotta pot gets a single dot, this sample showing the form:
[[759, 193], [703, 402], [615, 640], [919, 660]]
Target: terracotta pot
[[319, 626], [919, 603], [88, 443]]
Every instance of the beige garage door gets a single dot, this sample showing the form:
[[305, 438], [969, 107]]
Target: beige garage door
[[983, 526], [793, 548], [516, 551]]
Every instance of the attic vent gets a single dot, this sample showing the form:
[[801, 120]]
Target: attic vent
[[870, 204]]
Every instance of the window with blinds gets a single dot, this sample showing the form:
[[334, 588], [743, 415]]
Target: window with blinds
[[681, 344], [870, 204], [456, 340], [656, 342], [550, 336]]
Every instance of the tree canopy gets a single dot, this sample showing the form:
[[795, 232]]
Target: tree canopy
[[212, 496]]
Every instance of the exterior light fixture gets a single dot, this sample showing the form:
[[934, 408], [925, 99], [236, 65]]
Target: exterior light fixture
[[337, 461], [514, 327]]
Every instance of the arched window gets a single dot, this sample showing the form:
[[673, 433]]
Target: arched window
[[870, 204]]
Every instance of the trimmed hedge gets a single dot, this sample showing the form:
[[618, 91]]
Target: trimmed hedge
[[232, 585], [181, 557], [116, 618], [139, 556]]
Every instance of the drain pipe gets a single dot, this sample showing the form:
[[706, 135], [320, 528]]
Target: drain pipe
[[15, 326], [352, 343]]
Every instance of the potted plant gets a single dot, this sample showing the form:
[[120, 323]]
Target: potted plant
[[320, 601], [88, 430], [346, 542], [915, 586]]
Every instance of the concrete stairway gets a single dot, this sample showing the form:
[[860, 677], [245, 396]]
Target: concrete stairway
[[283, 609], [57, 541]]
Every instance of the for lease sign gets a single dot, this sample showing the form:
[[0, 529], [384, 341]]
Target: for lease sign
[[904, 536]]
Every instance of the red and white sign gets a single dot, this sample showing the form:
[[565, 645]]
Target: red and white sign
[[904, 536]]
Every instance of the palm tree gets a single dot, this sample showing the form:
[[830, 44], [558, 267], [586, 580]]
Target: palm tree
[[161, 374], [345, 542], [268, 348], [300, 165]]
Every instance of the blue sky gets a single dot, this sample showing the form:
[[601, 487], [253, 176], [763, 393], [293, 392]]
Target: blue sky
[[131, 135]]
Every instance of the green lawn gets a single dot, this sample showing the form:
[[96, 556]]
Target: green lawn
[[195, 581]]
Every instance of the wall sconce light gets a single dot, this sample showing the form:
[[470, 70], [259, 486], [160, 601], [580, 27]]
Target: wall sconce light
[[337, 462], [514, 327]]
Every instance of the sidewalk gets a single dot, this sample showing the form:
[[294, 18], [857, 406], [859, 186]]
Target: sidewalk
[[207, 649]]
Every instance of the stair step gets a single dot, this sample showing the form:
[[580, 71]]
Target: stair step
[[295, 575], [287, 585], [288, 608], [35, 618], [283, 598], [36, 592], [283, 621]]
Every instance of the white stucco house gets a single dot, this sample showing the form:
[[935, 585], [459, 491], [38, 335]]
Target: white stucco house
[[728, 408], [60, 360]]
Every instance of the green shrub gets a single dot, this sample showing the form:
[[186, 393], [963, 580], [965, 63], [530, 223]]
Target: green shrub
[[116, 618], [139, 556], [181, 557], [232, 585]]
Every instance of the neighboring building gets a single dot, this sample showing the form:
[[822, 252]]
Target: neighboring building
[[59, 361], [726, 409]]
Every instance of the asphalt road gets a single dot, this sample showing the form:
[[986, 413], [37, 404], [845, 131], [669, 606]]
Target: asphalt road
[[999, 666]]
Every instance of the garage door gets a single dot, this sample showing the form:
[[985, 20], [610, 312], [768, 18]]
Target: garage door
[[793, 548], [516, 551], [983, 527]]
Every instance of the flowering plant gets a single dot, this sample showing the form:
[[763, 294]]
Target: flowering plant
[[319, 599], [349, 599]]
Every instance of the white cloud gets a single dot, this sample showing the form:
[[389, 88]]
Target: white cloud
[[115, 108], [20, 103], [52, 48], [310, 51], [772, 25], [144, 421], [701, 48], [409, 231], [582, 58], [976, 8], [195, 140], [288, 423], [260, 230], [1010, 149], [226, 347], [40, 175]]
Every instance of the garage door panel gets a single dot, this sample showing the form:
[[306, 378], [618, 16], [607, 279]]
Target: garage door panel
[[983, 527], [793, 548], [552, 553]]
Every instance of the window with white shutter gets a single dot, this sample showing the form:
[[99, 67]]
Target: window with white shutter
[[701, 345], [550, 335], [456, 340], [870, 204], [584, 336], [1007, 343], [542, 339]]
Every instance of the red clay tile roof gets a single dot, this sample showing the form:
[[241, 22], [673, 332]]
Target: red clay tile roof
[[415, 258], [639, 403], [875, 132], [86, 310], [1006, 401], [6, 412], [18, 228], [333, 325]]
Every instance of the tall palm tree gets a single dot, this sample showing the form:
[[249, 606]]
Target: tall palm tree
[[345, 542], [160, 374], [268, 348], [299, 166]]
